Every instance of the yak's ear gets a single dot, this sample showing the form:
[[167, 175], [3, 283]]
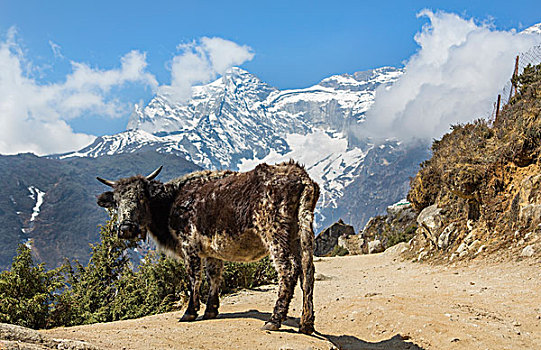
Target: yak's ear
[[106, 200]]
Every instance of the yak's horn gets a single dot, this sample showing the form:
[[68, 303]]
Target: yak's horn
[[106, 182], [154, 173]]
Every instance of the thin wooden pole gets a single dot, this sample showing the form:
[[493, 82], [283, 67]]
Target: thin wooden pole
[[513, 85], [497, 109]]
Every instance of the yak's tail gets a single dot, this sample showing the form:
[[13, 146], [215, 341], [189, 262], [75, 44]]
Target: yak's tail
[[308, 200]]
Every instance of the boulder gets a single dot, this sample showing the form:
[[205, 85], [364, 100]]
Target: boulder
[[17, 337], [328, 239], [430, 223], [375, 247]]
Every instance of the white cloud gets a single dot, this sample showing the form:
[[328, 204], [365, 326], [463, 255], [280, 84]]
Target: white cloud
[[57, 50], [455, 77], [200, 62], [33, 115]]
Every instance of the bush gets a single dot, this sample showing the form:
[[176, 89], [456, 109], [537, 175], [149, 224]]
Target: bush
[[402, 236], [247, 275], [339, 251]]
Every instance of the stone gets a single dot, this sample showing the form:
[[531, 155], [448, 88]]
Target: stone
[[527, 251], [462, 248], [353, 243], [17, 337], [422, 255], [529, 200], [430, 223], [445, 238], [399, 222], [375, 247]]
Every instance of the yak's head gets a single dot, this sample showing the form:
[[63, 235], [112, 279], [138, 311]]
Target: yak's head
[[131, 200]]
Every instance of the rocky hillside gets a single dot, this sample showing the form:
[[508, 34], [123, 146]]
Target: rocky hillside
[[53, 203], [481, 190]]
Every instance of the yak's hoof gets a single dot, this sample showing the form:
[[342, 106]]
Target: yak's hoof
[[307, 329], [269, 326], [187, 318], [209, 315]]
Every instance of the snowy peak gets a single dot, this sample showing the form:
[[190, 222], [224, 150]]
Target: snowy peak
[[535, 29], [359, 81], [238, 121]]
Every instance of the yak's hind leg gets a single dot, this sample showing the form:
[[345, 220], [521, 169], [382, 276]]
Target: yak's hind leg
[[308, 201], [213, 269], [194, 269], [287, 266]]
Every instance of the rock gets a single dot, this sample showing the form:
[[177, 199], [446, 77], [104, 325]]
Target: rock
[[328, 239], [353, 243], [375, 247], [321, 277], [422, 255], [527, 251], [446, 236], [17, 337], [430, 223], [397, 248], [528, 200], [398, 225], [481, 249]]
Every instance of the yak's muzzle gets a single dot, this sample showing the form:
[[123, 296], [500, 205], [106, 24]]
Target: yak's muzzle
[[128, 230]]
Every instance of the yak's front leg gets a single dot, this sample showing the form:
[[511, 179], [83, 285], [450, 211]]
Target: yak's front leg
[[213, 269], [193, 266]]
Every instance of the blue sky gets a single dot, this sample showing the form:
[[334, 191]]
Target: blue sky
[[296, 43]]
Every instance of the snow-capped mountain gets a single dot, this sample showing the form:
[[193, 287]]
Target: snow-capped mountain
[[239, 121], [535, 29]]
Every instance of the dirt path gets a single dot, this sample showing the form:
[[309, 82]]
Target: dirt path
[[362, 302]]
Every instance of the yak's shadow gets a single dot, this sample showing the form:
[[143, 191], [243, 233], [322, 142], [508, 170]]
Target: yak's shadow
[[346, 342]]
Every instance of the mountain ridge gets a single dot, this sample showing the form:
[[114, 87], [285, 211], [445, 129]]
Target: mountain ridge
[[238, 121]]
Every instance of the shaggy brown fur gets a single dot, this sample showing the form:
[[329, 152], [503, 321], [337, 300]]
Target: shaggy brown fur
[[209, 217]]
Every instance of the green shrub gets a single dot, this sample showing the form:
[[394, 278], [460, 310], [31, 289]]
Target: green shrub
[[339, 251], [402, 236], [247, 275]]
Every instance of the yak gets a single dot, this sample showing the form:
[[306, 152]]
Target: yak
[[208, 217]]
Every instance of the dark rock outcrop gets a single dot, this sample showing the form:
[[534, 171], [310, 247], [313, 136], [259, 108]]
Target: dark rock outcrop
[[328, 239]]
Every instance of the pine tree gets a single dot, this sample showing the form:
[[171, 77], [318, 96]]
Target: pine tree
[[27, 291], [94, 287]]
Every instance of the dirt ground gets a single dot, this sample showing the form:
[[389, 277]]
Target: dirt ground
[[362, 302]]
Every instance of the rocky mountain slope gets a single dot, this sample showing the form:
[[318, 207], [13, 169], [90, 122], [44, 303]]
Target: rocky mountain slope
[[239, 121], [481, 190]]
